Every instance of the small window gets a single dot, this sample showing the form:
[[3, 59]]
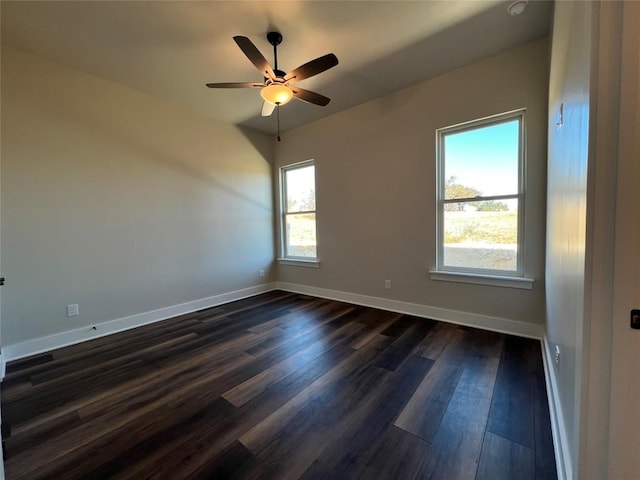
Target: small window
[[480, 196], [299, 211]]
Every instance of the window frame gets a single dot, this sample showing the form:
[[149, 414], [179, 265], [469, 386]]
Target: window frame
[[295, 259], [482, 275]]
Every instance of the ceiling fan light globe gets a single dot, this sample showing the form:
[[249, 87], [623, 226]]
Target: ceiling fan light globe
[[276, 94]]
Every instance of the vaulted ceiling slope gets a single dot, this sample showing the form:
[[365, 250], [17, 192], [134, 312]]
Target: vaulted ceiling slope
[[170, 49]]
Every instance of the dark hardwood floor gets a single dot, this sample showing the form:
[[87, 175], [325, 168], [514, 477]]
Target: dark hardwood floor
[[282, 386]]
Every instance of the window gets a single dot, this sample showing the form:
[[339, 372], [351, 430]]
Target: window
[[481, 197], [299, 211]]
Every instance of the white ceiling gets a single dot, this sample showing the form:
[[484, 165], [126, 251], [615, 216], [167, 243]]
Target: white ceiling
[[170, 49]]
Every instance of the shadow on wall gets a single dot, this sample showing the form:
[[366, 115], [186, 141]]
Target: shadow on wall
[[262, 142], [205, 149]]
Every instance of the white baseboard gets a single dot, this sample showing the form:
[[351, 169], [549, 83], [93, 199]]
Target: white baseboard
[[70, 337], [558, 425], [3, 366], [496, 324]]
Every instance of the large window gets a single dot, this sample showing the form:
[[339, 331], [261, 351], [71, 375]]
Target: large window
[[481, 197], [299, 211]]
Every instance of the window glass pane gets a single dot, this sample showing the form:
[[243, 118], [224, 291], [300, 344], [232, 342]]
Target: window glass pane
[[300, 230], [481, 235], [301, 189], [482, 161]]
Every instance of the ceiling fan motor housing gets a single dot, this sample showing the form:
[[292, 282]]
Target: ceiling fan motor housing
[[274, 38], [279, 77]]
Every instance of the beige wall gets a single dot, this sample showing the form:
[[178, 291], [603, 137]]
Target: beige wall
[[120, 202], [567, 210], [376, 186]]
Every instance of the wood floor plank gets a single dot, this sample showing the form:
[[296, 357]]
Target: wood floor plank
[[545, 464], [149, 383], [20, 441], [262, 434], [142, 394], [384, 320], [404, 344], [234, 462], [70, 373], [244, 392], [397, 328], [67, 455], [307, 433], [512, 414], [138, 373], [406, 450], [484, 343], [502, 459], [23, 363], [456, 447], [355, 443], [436, 340], [424, 411], [293, 327], [206, 369], [21, 410], [303, 314], [204, 448], [315, 388], [162, 452]]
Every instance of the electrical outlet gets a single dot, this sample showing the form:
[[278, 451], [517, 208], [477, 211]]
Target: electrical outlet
[[556, 357], [261, 272], [387, 284], [72, 310]]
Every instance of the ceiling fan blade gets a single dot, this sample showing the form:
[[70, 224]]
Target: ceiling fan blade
[[253, 54], [235, 85], [312, 68], [309, 96], [267, 109]]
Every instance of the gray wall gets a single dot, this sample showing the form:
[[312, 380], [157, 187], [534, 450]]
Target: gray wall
[[375, 174], [120, 202]]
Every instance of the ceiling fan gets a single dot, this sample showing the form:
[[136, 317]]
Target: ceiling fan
[[278, 87]]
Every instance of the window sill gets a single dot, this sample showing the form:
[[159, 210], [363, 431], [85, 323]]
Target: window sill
[[300, 262], [479, 279]]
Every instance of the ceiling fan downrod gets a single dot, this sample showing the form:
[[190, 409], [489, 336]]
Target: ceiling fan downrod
[[275, 39]]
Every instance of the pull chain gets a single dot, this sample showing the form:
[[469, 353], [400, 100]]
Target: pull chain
[[278, 116], [275, 58]]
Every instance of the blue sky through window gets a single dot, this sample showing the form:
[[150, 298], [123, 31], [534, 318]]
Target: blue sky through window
[[485, 158]]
